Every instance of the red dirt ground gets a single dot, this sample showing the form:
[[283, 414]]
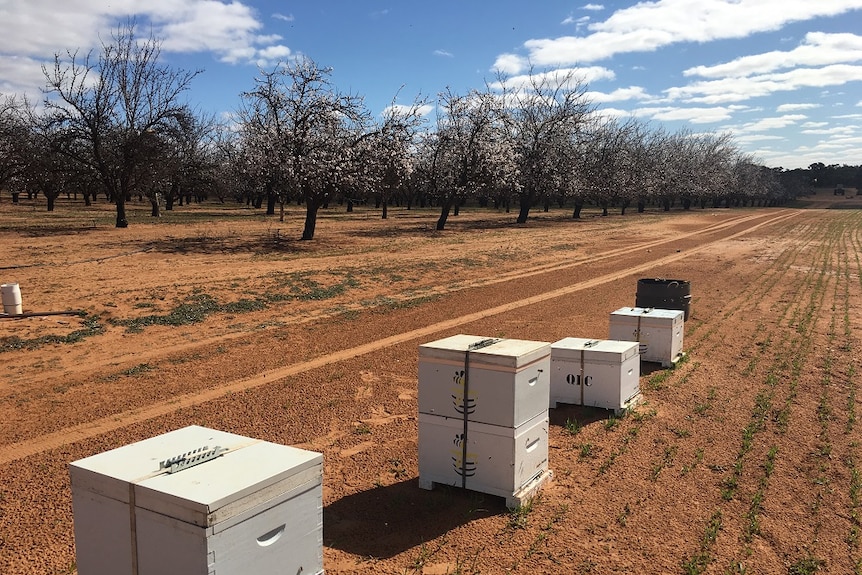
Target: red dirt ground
[[743, 459]]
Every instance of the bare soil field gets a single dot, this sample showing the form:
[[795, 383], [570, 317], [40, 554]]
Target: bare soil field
[[745, 458]]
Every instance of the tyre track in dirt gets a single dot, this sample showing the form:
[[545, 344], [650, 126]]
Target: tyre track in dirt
[[91, 429]]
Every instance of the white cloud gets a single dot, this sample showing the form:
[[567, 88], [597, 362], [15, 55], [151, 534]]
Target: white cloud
[[443, 53], [424, 110], [614, 113], [740, 89], [569, 76], [693, 115], [835, 130], [270, 55], [510, 64], [774, 123], [578, 22], [757, 138], [285, 17], [818, 49], [619, 95], [795, 107], [594, 7], [21, 75], [648, 26], [229, 29]]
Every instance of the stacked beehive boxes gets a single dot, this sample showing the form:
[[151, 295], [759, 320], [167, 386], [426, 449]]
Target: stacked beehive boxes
[[197, 501], [595, 373], [483, 415]]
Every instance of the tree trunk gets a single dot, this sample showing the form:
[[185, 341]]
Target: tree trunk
[[349, 206], [122, 222], [576, 215], [15, 196], [156, 211], [311, 208], [641, 206], [445, 206], [385, 211], [524, 211], [270, 204], [51, 199]]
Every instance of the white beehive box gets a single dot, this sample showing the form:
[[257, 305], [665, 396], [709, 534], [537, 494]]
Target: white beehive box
[[596, 373], [500, 461], [256, 508], [659, 332], [509, 380]]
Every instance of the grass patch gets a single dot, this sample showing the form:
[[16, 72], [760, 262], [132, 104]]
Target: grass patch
[[139, 369], [518, 515], [613, 421], [573, 426], [698, 563], [806, 566], [666, 460], [196, 310], [362, 429], [91, 327]]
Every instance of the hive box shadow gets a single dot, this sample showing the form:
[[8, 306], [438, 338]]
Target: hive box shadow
[[583, 414], [385, 521]]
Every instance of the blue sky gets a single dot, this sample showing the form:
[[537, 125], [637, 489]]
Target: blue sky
[[783, 76]]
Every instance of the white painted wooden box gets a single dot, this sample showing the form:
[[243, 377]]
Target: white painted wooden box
[[660, 332], [508, 380], [596, 373], [255, 508], [500, 460]]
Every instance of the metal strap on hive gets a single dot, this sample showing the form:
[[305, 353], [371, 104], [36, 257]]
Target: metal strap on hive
[[471, 347]]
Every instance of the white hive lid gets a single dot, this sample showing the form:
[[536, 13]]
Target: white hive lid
[[570, 348], [192, 494], [512, 353], [449, 347], [649, 313]]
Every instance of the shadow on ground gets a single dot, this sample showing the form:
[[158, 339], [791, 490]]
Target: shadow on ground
[[584, 415], [388, 520]]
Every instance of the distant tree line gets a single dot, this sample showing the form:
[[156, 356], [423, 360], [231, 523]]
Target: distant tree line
[[113, 123]]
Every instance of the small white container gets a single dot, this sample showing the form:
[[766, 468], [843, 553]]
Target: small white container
[[509, 379], [659, 332], [11, 296], [256, 508], [596, 373], [500, 460]]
